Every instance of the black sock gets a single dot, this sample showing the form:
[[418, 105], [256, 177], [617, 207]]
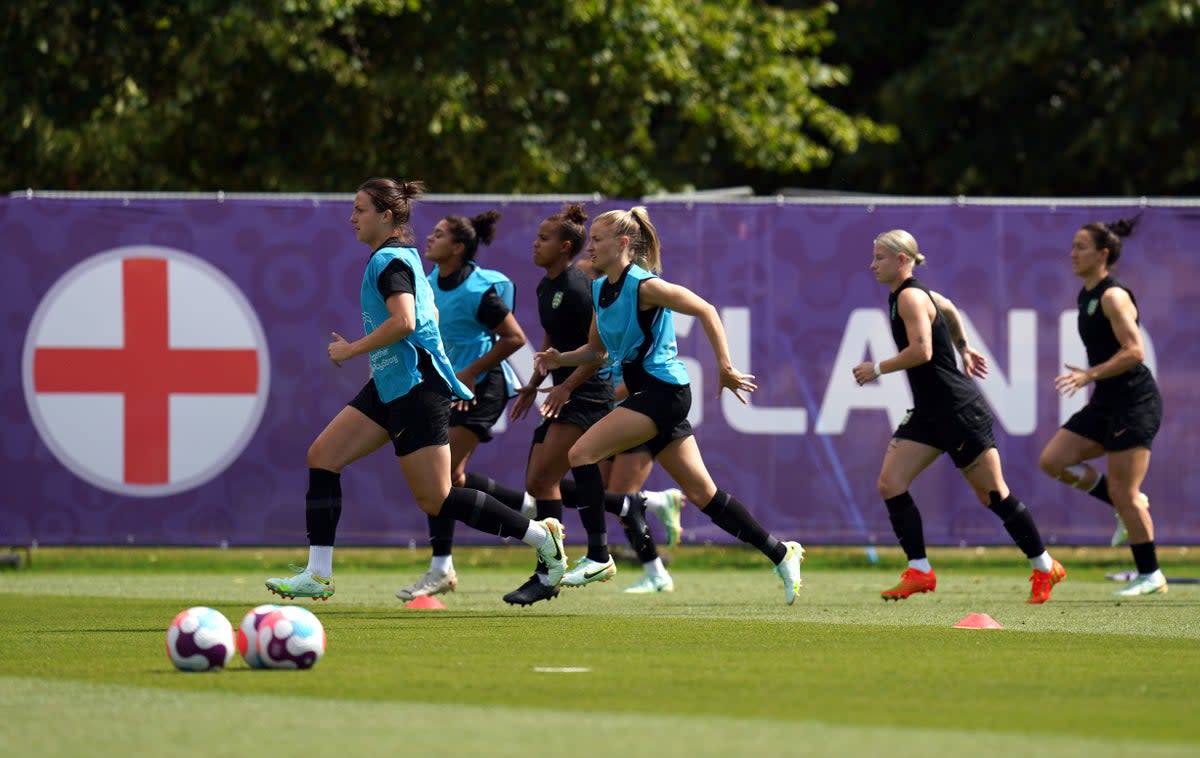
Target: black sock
[[1018, 522], [1145, 557], [637, 531], [483, 512], [1100, 491], [906, 523], [569, 492], [589, 486], [727, 512], [322, 506], [441, 534], [615, 503], [509, 497], [549, 509]]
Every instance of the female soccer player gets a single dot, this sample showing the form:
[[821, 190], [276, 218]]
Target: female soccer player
[[633, 324], [479, 331], [407, 401], [1125, 410], [949, 415]]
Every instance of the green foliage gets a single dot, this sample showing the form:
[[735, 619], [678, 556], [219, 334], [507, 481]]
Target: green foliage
[[1045, 97], [615, 96]]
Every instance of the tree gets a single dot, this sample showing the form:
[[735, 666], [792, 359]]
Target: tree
[[622, 97], [1044, 97]]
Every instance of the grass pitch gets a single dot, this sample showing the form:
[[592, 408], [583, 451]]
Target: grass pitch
[[720, 667]]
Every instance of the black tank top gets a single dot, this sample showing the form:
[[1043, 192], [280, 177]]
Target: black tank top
[[936, 384], [1101, 344], [565, 310]]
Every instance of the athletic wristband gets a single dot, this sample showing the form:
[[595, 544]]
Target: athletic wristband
[[878, 371]]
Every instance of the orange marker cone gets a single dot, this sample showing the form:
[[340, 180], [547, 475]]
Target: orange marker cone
[[425, 603], [977, 621]]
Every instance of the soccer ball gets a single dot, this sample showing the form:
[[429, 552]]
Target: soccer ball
[[290, 637], [247, 634], [200, 639]]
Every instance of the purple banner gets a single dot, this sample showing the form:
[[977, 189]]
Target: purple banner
[[165, 367]]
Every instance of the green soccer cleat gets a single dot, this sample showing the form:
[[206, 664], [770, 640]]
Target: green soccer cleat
[[669, 513], [648, 585], [789, 571], [303, 584], [586, 571]]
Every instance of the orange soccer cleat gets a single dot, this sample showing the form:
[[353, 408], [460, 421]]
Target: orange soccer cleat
[[912, 581], [1043, 583]]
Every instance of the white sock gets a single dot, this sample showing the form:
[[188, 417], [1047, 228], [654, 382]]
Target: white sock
[[1043, 562], [443, 564], [655, 499], [921, 564], [544, 578], [655, 568], [1158, 576], [529, 505], [320, 560], [536, 535]]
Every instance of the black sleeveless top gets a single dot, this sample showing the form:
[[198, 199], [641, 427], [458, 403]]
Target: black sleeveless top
[[565, 310], [936, 384], [1101, 344]]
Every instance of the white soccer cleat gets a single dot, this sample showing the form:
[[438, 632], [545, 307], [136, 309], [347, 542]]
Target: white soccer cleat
[[789, 571], [432, 582], [1145, 584], [586, 571], [648, 585], [552, 552]]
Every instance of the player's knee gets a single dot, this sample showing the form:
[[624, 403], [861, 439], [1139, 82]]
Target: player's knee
[[1051, 465], [889, 488], [581, 456]]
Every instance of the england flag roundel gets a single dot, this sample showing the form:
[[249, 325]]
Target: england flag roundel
[[146, 371]]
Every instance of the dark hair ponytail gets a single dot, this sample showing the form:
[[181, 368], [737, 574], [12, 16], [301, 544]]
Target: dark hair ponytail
[[1110, 235], [397, 197], [571, 220], [470, 232]]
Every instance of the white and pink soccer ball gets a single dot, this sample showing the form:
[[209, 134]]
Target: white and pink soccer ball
[[200, 639], [247, 634], [290, 637]]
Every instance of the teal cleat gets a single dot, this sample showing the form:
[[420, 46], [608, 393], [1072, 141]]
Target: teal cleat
[[303, 584]]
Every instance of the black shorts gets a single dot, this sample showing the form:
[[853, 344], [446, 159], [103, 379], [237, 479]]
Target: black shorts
[[1122, 427], [965, 433], [581, 413], [667, 405], [413, 421], [491, 397]]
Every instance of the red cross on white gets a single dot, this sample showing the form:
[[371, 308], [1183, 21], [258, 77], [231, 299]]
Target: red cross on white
[[130, 344]]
